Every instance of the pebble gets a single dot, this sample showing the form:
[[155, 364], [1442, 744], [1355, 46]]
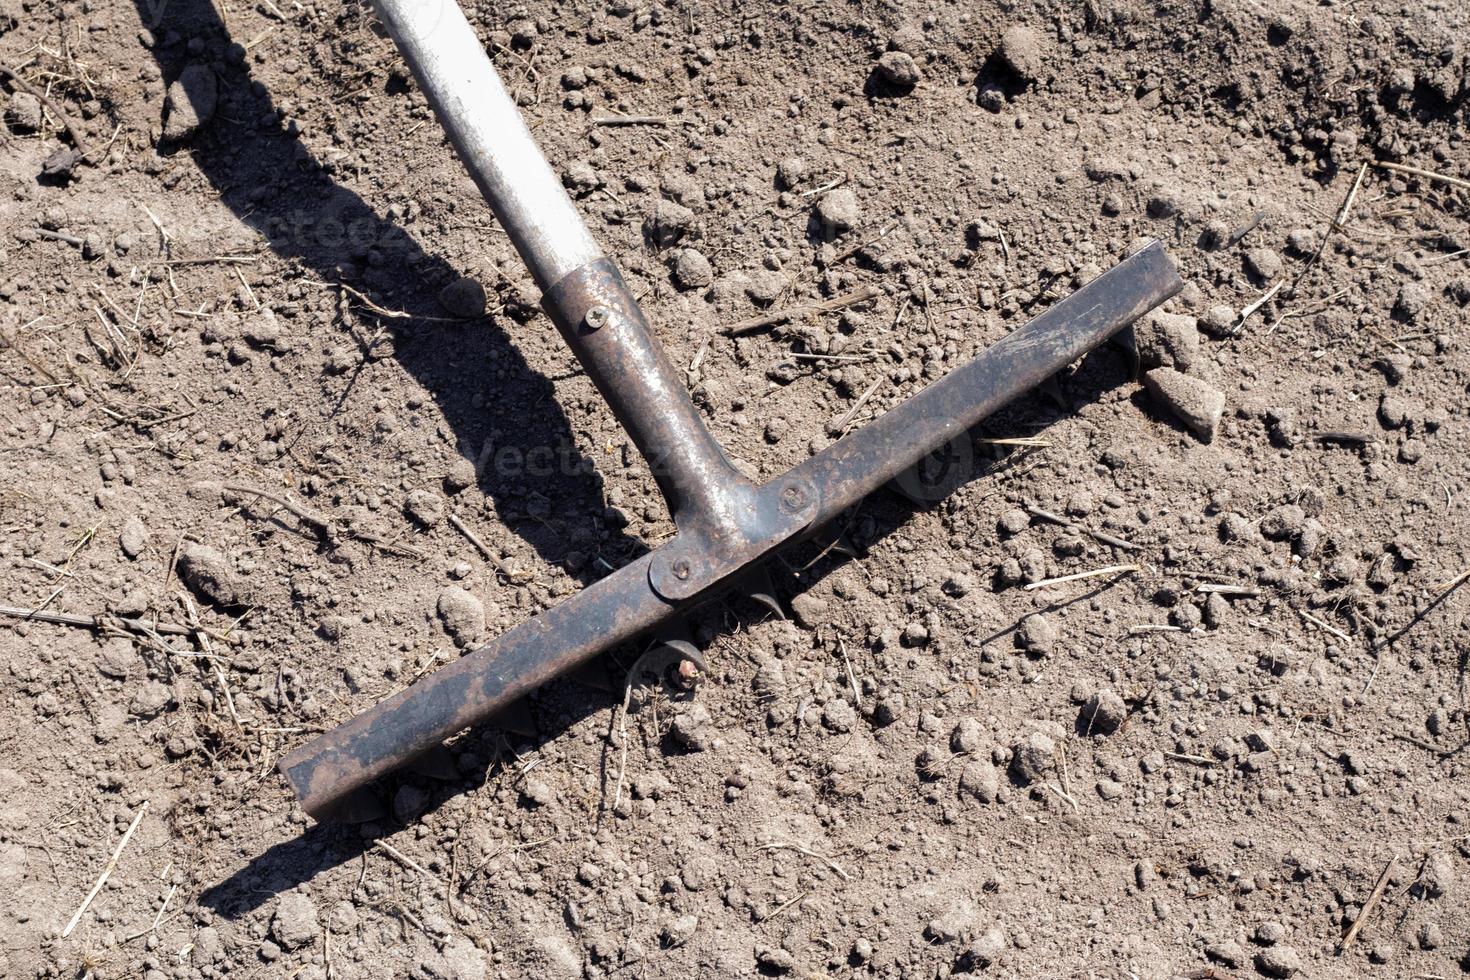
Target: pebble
[[1104, 713], [462, 614], [692, 270], [133, 537], [1227, 953], [1411, 303], [838, 210], [211, 575], [668, 223], [190, 102], [967, 736], [1283, 523], [1279, 961], [810, 611], [790, 172], [424, 506], [295, 922], [979, 780], [1022, 51], [1032, 757], [1196, 403], [985, 949], [460, 476], [24, 112], [839, 716], [537, 792], [898, 69], [1036, 635], [117, 659], [1263, 265], [463, 298], [1168, 340], [680, 931], [150, 700], [1014, 521], [692, 728]]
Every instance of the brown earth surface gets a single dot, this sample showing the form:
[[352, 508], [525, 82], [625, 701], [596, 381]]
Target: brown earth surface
[[266, 273]]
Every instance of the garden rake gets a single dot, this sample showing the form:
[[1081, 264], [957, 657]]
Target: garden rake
[[725, 523]]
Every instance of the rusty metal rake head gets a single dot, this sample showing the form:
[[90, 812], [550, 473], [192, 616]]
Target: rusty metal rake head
[[725, 522]]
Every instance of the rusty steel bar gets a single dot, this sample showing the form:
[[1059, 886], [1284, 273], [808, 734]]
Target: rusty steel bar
[[626, 603], [604, 326]]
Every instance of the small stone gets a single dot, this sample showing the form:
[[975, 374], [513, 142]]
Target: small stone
[[1167, 340], [1270, 933], [692, 270], [810, 611], [1439, 875], [1014, 521], [463, 298], [1279, 961], [133, 537], [985, 949], [408, 803], [1032, 757], [1412, 302], [680, 931], [775, 960], [668, 223], [1227, 953], [888, 709], [898, 69], [692, 728], [462, 614], [1302, 241], [424, 506], [343, 917], [1283, 523], [979, 780], [1036, 635], [23, 112], [839, 716], [837, 211], [460, 476], [790, 172], [211, 575], [1219, 320], [967, 736], [1196, 403], [1104, 713], [118, 658], [150, 700], [1263, 265], [190, 102], [536, 793], [1022, 51], [295, 922]]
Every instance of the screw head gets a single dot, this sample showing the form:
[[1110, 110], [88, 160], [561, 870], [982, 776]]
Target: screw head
[[597, 317], [793, 497], [681, 569]]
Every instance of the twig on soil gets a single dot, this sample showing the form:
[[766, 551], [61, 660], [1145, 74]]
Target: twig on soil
[[106, 871], [1325, 627], [811, 854], [110, 622], [1400, 168], [858, 295], [77, 139], [325, 528], [481, 547], [1075, 576], [782, 907], [1250, 310], [1102, 536], [1372, 903], [839, 426], [1223, 588], [631, 121], [402, 858]]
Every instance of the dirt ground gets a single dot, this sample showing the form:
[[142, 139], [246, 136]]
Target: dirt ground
[[261, 282]]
